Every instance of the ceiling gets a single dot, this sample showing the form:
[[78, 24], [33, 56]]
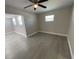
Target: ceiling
[[51, 5]]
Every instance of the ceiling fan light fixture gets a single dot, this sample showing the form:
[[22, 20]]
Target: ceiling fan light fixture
[[35, 5]]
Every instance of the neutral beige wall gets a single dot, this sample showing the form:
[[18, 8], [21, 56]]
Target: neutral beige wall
[[29, 18], [8, 25], [71, 35], [61, 21]]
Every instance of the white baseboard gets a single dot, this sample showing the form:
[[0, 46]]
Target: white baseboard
[[9, 32], [21, 34], [32, 34], [72, 56], [54, 33]]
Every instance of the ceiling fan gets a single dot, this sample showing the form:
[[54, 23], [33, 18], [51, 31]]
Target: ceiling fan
[[36, 3]]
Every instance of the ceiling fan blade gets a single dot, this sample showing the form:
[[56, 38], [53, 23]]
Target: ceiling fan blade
[[27, 6], [42, 6], [31, 0], [40, 1]]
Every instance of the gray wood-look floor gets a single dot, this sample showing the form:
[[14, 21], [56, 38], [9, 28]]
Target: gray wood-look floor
[[38, 46]]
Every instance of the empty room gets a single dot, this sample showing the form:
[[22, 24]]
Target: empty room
[[39, 29]]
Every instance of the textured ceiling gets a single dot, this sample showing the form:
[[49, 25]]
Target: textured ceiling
[[51, 5]]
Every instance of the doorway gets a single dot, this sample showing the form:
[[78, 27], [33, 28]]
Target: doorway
[[15, 23]]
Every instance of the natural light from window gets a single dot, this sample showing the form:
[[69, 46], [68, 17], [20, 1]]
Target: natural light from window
[[20, 20], [49, 18], [14, 21]]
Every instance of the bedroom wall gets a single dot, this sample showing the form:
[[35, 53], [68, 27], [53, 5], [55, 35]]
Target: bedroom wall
[[60, 24], [8, 25], [71, 35], [29, 19]]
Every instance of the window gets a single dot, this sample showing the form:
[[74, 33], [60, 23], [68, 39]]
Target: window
[[20, 20], [14, 21], [49, 18]]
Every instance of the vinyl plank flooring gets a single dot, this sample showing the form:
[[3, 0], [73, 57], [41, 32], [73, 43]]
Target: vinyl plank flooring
[[38, 46]]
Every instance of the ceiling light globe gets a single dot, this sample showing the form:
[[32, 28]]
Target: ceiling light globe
[[35, 6]]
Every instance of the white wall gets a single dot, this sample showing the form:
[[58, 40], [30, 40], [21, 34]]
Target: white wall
[[71, 35], [61, 21], [29, 19], [8, 25]]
